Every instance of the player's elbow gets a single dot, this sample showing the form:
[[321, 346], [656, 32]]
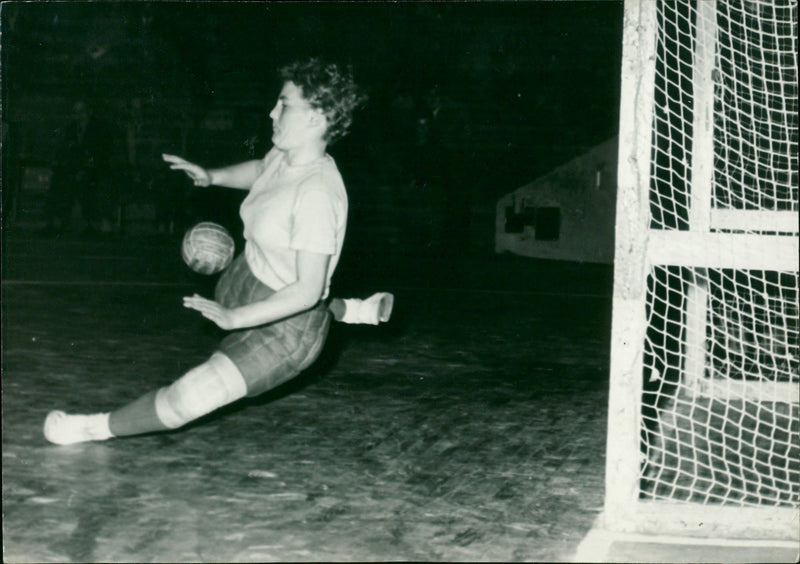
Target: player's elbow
[[309, 294], [312, 269]]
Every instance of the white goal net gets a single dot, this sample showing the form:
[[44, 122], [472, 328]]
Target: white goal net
[[703, 417]]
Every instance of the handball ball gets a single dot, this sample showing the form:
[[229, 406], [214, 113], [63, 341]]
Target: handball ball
[[207, 248]]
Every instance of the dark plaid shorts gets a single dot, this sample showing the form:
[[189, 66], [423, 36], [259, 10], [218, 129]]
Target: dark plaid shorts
[[271, 354]]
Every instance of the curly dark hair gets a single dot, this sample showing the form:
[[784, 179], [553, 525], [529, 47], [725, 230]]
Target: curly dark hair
[[329, 88]]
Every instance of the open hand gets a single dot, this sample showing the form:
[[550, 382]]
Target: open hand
[[198, 174], [212, 310]]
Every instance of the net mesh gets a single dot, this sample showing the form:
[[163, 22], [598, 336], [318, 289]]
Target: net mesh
[[754, 109], [729, 433], [719, 412]]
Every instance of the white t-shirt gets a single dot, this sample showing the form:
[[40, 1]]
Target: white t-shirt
[[289, 209]]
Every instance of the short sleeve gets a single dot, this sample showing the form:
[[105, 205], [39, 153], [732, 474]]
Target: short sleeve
[[314, 225]]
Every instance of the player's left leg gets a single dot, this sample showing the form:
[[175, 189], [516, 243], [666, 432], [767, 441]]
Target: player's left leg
[[372, 311]]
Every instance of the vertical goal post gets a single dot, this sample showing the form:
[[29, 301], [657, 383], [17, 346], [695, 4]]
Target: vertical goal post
[[703, 424]]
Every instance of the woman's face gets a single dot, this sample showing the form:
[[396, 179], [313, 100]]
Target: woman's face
[[292, 124]]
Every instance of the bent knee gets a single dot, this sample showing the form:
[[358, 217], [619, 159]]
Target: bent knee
[[205, 388]]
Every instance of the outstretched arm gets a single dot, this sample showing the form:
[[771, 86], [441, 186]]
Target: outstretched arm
[[240, 176]]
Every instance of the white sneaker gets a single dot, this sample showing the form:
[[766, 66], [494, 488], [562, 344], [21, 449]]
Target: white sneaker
[[63, 429], [374, 310]]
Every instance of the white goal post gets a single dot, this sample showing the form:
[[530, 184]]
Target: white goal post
[[703, 426]]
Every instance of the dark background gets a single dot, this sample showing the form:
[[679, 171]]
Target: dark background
[[522, 87]]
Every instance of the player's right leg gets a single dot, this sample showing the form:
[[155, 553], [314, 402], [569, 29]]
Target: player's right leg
[[205, 388]]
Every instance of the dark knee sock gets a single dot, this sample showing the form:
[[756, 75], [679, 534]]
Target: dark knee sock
[[337, 308], [137, 417]]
